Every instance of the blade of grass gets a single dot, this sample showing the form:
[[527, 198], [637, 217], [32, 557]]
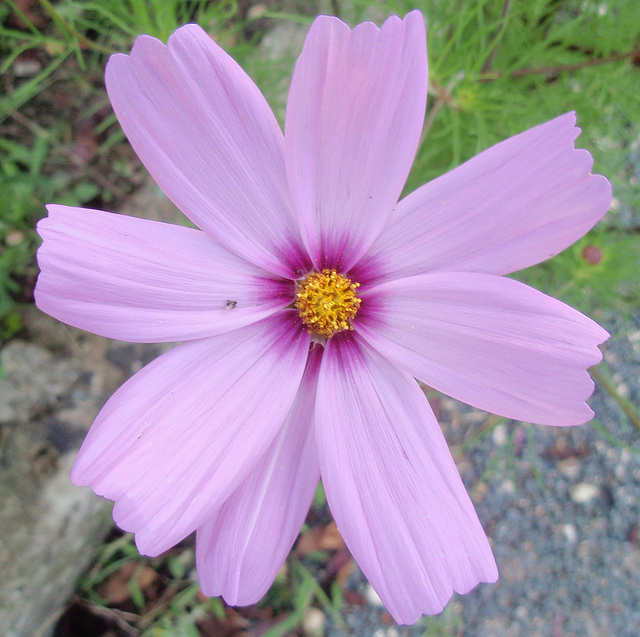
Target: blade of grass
[[71, 31], [29, 89], [320, 595], [600, 376], [285, 627]]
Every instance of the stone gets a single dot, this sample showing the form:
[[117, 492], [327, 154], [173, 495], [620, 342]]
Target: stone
[[52, 385], [372, 596], [33, 382], [48, 527], [584, 492], [313, 622]]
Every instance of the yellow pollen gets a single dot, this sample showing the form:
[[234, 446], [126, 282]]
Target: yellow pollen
[[327, 301]]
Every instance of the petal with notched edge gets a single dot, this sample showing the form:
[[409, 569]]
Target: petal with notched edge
[[392, 485], [489, 341], [354, 116]]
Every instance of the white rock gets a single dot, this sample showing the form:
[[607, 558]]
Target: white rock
[[372, 597], [313, 622], [584, 492], [500, 435], [569, 467], [507, 486], [570, 532], [389, 632], [634, 336]]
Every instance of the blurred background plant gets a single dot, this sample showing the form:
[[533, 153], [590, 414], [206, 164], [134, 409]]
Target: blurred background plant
[[497, 67]]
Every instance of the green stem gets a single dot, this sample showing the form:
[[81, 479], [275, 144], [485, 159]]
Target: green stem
[[624, 404], [64, 26], [321, 596], [288, 625], [562, 68], [613, 440]]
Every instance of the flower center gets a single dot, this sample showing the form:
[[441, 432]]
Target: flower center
[[327, 301]]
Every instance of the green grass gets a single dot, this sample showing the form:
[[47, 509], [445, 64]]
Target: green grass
[[42, 159], [497, 67]]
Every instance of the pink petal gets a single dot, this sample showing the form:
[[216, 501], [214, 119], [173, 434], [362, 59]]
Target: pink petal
[[392, 485], [489, 341], [240, 551], [178, 438], [208, 137], [354, 116], [518, 203], [145, 281]]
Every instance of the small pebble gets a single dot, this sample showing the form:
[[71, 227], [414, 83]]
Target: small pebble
[[623, 390], [26, 67], [569, 467], [500, 435], [507, 486], [313, 622], [372, 597], [389, 632], [584, 492], [257, 11], [634, 336], [14, 238], [570, 532]]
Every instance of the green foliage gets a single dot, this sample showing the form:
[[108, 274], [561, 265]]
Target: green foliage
[[610, 283], [499, 67], [23, 190], [70, 41], [118, 564], [447, 624]]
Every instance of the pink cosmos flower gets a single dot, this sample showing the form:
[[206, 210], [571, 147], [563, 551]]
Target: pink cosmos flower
[[307, 304]]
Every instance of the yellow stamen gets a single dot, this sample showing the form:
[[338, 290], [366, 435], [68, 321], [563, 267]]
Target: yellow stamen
[[327, 301]]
